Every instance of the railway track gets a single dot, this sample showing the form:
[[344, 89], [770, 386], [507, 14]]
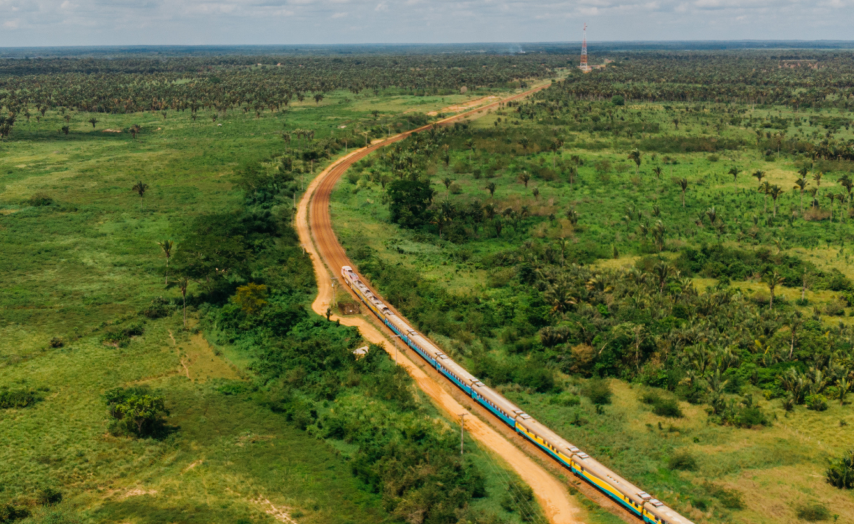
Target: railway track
[[314, 226]]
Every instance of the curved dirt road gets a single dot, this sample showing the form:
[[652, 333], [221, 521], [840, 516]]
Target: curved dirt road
[[317, 227]]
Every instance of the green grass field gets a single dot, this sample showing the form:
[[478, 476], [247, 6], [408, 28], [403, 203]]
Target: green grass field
[[777, 469], [89, 262]]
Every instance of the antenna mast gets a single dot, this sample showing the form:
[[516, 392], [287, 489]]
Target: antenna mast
[[584, 67]]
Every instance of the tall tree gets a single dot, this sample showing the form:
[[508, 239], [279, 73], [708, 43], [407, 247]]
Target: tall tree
[[734, 171], [166, 246], [801, 185], [635, 156], [773, 280], [683, 184], [140, 188], [775, 191]]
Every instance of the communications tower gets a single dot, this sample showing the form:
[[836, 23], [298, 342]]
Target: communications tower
[[584, 67]]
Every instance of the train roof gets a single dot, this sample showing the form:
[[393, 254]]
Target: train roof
[[497, 399]]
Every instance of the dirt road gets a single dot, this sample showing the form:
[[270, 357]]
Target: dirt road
[[314, 226]]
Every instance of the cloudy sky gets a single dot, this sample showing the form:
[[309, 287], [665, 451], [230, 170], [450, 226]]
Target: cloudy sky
[[229, 22]]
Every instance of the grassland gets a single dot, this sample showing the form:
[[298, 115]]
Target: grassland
[[775, 470], [89, 262]]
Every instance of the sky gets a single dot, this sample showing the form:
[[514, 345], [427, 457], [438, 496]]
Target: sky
[[25, 23]]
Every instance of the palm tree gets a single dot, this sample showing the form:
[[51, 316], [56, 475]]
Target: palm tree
[[183, 284], [683, 184], [491, 188], [536, 193], [134, 130], [140, 188], [817, 178], [167, 246], [764, 188], [832, 198], [657, 171], [572, 215], [759, 175], [801, 184], [559, 294], [447, 181], [524, 177], [846, 182], [734, 171], [556, 144], [93, 121], [775, 191], [773, 280], [635, 156], [658, 235]]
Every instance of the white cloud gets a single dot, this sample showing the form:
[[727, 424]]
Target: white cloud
[[87, 22]]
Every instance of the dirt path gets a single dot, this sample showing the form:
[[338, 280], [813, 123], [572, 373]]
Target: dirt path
[[551, 493]]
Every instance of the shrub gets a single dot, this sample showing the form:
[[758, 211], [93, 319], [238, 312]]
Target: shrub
[[814, 512], [713, 158], [835, 308], [120, 337], [48, 497], [729, 498], [840, 474], [650, 397], [598, 391], [519, 497], [667, 408], [618, 100], [56, 342], [135, 411], [40, 200], [683, 462], [663, 407], [17, 398], [565, 399], [159, 308], [816, 402], [9, 513]]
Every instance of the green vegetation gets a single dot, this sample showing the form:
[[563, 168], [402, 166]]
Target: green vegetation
[[159, 360], [627, 244]]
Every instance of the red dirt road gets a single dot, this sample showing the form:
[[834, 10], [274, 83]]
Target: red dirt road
[[314, 226]]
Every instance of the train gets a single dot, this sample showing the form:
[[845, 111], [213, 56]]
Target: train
[[638, 502]]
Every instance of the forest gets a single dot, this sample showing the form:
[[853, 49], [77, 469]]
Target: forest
[[682, 237], [651, 259], [160, 361]]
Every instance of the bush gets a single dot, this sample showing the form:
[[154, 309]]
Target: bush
[[159, 308], [565, 399], [667, 408], [814, 512], [662, 407], [56, 342], [598, 391], [9, 513], [120, 337], [729, 498], [135, 411], [48, 497], [40, 200], [519, 497], [17, 398], [816, 402], [841, 473], [683, 462]]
